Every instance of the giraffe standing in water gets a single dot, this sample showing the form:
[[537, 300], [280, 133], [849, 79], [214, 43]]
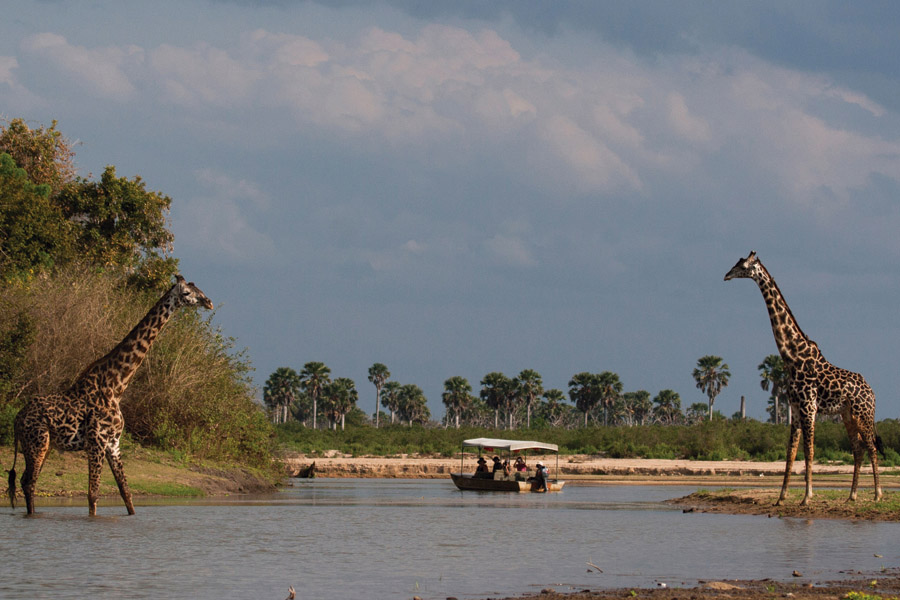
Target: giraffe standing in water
[[87, 416], [814, 386]]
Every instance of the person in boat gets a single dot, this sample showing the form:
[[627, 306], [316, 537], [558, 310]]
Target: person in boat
[[540, 478], [521, 469], [482, 470], [498, 466]]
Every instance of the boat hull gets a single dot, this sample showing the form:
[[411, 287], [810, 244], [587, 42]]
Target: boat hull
[[466, 482]]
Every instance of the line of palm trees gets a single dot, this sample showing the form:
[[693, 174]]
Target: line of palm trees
[[517, 401], [311, 393]]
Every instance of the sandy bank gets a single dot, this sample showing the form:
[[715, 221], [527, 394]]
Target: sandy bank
[[575, 468]]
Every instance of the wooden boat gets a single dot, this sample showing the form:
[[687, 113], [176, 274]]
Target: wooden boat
[[499, 482]]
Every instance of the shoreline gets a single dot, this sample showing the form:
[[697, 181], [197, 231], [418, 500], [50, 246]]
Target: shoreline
[[866, 586], [587, 469]]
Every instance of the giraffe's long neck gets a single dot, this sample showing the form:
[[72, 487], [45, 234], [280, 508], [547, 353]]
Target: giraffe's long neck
[[793, 345], [114, 371]]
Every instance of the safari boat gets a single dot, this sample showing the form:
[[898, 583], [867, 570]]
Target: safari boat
[[500, 482]]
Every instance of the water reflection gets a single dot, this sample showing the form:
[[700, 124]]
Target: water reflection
[[399, 538]]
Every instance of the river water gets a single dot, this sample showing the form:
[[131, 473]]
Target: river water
[[395, 538]]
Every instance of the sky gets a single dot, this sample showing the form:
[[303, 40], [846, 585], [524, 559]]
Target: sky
[[464, 187]]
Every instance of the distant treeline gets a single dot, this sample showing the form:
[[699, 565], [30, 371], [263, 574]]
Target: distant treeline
[[718, 439]]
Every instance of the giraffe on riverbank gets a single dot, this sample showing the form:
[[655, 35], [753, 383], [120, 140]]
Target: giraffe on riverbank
[[87, 416], [814, 386]]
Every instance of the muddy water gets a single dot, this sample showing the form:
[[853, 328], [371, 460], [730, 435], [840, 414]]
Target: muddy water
[[386, 539]]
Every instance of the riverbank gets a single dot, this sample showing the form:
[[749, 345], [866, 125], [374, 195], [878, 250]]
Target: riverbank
[[583, 469], [149, 472], [885, 585], [825, 503]]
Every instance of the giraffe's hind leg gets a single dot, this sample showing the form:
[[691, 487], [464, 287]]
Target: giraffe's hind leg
[[115, 465], [34, 451], [856, 445], [869, 436]]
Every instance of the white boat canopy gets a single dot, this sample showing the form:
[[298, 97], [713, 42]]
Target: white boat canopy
[[491, 444]]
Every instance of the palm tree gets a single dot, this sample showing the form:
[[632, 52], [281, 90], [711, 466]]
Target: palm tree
[[494, 390], [553, 409], [668, 407], [774, 375], [637, 406], [584, 391], [313, 378], [711, 376], [457, 396], [339, 397], [281, 391], [695, 413], [609, 390], [390, 398], [378, 374], [413, 404], [529, 386]]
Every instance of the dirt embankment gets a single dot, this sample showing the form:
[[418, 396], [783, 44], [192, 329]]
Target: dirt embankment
[[577, 467]]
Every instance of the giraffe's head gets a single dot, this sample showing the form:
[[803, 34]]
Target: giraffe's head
[[749, 267], [188, 294]]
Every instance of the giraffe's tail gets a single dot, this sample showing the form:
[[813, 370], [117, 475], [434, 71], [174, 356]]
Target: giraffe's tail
[[879, 445], [11, 489]]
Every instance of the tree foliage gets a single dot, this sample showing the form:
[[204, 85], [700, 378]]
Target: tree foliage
[[50, 218]]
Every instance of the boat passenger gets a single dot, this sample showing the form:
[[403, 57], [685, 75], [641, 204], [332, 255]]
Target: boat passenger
[[540, 478], [498, 466], [482, 470], [520, 465]]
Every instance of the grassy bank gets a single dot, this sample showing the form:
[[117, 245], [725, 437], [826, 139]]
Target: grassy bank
[[824, 504], [150, 473], [715, 440]]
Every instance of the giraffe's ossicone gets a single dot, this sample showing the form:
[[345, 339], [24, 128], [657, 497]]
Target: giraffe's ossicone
[[86, 416], [814, 386]]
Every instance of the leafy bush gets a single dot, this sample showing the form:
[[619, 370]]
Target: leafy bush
[[191, 394]]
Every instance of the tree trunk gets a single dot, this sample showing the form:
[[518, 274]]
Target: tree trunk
[[315, 411], [342, 422], [496, 418], [743, 409], [377, 399], [529, 415], [457, 419]]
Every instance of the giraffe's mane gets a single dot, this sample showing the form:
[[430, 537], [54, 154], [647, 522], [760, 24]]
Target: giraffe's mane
[[87, 370], [787, 306]]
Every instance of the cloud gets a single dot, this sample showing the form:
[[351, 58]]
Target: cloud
[[7, 65], [607, 125], [102, 72], [218, 225]]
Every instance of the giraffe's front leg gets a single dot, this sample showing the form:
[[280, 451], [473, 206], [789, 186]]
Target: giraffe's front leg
[[808, 425], [95, 464], [793, 444], [115, 464]]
